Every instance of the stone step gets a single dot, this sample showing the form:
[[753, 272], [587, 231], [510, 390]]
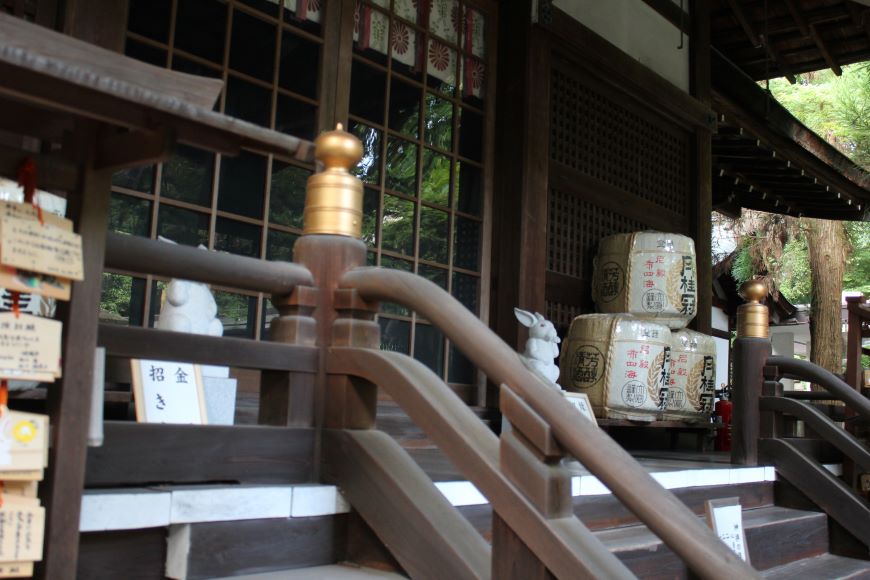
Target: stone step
[[775, 536], [823, 567], [335, 572]]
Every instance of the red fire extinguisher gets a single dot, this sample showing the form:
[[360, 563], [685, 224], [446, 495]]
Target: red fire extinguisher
[[723, 412]]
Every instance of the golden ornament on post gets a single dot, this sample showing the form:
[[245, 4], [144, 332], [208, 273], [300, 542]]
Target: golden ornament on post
[[334, 197], [752, 317]]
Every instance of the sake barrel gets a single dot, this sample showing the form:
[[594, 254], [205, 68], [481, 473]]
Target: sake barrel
[[620, 362], [651, 275], [692, 377]]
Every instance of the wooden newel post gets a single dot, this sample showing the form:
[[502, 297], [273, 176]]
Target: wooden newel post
[[329, 247], [853, 342], [750, 354], [531, 458]]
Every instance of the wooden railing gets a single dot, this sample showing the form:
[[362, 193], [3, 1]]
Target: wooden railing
[[778, 446], [526, 486], [764, 420]]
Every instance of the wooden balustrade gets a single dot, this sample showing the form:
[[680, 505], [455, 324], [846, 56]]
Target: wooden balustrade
[[665, 515], [763, 414]]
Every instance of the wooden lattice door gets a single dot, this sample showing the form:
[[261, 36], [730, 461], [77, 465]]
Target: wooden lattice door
[[615, 165]]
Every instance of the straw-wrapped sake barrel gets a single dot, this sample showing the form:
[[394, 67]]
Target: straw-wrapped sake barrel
[[693, 376], [620, 362], [651, 275]]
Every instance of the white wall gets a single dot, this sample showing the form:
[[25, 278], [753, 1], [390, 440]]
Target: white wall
[[639, 31]]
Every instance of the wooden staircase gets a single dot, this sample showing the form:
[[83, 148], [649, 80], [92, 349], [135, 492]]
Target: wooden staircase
[[784, 542]]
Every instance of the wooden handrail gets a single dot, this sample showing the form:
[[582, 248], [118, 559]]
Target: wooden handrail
[[404, 508], [659, 509], [820, 486], [565, 545], [149, 343], [836, 387], [822, 425], [143, 256]]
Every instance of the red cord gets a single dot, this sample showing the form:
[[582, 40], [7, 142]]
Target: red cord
[[16, 307]]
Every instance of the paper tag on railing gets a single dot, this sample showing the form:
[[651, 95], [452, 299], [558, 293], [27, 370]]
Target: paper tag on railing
[[47, 248], [29, 347]]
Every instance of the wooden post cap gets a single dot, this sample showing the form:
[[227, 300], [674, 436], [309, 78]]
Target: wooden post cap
[[752, 317], [334, 197]]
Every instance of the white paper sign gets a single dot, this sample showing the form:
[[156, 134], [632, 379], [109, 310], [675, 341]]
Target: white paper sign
[[726, 518], [168, 392], [580, 401]]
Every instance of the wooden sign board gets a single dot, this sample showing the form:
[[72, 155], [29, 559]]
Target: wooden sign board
[[725, 516], [16, 569], [168, 392], [23, 442], [22, 527], [580, 401], [29, 347], [49, 247]]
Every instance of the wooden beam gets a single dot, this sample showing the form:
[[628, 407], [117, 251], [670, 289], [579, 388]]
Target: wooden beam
[[744, 23], [671, 12], [823, 48], [778, 59], [785, 25], [199, 454], [148, 343], [607, 196], [610, 65], [798, 18], [54, 171], [700, 192], [741, 99], [134, 148]]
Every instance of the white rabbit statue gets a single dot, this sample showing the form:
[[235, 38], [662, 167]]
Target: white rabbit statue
[[541, 347], [189, 307]]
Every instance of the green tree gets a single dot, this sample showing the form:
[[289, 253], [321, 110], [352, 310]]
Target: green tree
[[816, 259]]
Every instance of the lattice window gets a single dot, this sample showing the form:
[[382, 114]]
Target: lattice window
[[575, 227], [595, 136], [268, 55], [417, 101], [561, 315]]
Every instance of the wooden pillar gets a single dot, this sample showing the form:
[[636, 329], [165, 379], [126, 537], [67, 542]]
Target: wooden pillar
[[702, 176], [100, 22], [338, 50], [751, 351], [69, 400], [519, 248]]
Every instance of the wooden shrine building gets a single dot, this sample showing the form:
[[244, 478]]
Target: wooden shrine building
[[499, 142]]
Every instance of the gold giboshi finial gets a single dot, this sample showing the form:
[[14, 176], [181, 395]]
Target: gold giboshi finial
[[752, 317], [753, 291], [333, 201]]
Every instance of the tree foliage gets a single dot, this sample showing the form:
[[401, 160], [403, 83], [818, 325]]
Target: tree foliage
[[837, 109]]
